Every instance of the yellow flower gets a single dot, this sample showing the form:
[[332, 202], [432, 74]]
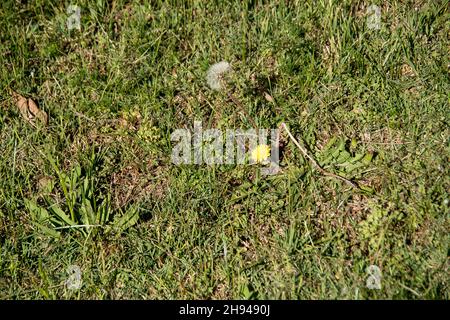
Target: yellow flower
[[260, 153]]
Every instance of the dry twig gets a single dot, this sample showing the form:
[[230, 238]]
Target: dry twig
[[314, 162]]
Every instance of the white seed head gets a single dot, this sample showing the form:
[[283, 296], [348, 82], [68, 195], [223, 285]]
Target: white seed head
[[215, 73]]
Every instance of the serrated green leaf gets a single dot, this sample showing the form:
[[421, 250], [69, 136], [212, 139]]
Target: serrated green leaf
[[37, 212], [87, 213], [340, 147], [64, 217], [353, 166], [357, 157], [343, 156], [46, 230], [367, 158], [328, 146], [127, 220]]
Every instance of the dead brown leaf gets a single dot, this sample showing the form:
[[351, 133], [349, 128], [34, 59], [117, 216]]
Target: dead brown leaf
[[268, 97], [29, 109]]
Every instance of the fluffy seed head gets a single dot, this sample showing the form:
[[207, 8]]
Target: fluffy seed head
[[215, 72]]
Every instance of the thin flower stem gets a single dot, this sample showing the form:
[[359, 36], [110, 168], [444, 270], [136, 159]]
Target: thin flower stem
[[314, 162], [79, 226]]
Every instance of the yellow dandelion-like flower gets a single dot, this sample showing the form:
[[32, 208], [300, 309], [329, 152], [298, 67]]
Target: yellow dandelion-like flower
[[260, 153]]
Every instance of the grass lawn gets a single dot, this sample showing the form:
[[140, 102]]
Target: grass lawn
[[94, 185]]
